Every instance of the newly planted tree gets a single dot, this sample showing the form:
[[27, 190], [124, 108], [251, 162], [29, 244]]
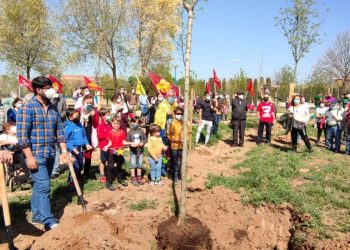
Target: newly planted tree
[[300, 24]]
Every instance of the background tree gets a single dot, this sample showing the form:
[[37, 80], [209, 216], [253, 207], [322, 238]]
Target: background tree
[[154, 25], [300, 25], [335, 65], [96, 29], [27, 40], [283, 78]]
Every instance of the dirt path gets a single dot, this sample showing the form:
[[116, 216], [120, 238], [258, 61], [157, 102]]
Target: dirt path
[[112, 224]]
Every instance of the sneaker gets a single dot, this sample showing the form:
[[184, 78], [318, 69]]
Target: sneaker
[[160, 182], [110, 187], [53, 226], [156, 183], [103, 179], [139, 180], [123, 183], [152, 183], [134, 181]]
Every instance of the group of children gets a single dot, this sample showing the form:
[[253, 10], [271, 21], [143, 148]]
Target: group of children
[[112, 140]]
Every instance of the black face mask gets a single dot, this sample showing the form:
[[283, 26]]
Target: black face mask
[[76, 119], [266, 99]]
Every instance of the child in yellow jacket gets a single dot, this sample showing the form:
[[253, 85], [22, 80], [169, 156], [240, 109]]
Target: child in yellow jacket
[[155, 152], [175, 134]]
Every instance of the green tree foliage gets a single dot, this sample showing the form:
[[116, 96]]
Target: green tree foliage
[[299, 22], [27, 40]]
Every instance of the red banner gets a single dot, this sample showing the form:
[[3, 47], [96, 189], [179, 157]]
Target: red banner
[[207, 87], [161, 85], [216, 80], [24, 82], [56, 84], [92, 85], [250, 88]]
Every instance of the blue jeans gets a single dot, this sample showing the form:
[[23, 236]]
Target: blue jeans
[[56, 166], [136, 160], [78, 165], [334, 133], [176, 160], [155, 168], [40, 201], [216, 121]]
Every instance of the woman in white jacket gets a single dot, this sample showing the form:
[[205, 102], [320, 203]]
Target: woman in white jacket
[[300, 115]]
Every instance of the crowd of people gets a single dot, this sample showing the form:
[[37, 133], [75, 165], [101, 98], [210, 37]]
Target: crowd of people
[[50, 133]]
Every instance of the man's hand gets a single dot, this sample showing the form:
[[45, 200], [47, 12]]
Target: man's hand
[[105, 148], [66, 158], [31, 163], [165, 148], [75, 151], [88, 147], [6, 156], [274, 121], [93, 112]]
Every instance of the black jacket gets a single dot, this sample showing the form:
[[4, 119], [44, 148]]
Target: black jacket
[[239, 110]]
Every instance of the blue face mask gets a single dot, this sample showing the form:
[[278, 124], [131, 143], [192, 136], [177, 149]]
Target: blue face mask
[[135, 126], [171, 100], [88, 107]]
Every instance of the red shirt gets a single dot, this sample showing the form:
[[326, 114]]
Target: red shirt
[[117, 138], [266, 111], [102, 133]]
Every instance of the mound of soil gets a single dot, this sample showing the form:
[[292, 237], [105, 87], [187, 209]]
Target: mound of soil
[[193, 235]]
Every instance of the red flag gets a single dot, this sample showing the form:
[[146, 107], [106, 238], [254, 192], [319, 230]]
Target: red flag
[[216, 80], [250, 87], [161, 85], [56, 83], [92, 85], [207, 87], [24, 82]]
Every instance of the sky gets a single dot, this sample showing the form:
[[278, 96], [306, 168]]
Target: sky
[[244, 30]]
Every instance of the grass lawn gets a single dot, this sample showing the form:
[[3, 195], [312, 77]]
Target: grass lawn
[[317, 183]]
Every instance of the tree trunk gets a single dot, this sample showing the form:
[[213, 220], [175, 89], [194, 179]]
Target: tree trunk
[[115, 79], [28, 72], [182, 207]]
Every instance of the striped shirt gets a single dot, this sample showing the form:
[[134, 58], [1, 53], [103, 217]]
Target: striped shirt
[[39, 129]]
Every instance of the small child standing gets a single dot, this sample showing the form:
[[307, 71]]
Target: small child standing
[[175, 135], [155, 152], [77, 141], [102, 135], [116, 141], [137, 139]]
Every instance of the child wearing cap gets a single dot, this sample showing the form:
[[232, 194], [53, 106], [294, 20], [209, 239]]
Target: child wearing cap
[[136, 139]]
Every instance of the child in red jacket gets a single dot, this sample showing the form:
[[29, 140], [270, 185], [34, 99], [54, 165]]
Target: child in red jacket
[[102, 135]]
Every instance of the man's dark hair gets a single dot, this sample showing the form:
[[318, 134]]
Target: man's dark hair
[[40, 82], [103, 112], [206, 92], [70, 112]]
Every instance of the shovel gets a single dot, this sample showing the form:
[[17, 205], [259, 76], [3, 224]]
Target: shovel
[[77, 187], [6, 209]]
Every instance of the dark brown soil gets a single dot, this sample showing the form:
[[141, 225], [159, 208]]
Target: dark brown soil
[[191, 236]]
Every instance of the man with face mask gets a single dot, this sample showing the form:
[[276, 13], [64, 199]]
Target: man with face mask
[[132, 100], [239, 117], [335, 117], [39, 129], [206, 111]]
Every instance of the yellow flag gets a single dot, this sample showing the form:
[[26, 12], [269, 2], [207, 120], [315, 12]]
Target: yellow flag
[[139, 88]]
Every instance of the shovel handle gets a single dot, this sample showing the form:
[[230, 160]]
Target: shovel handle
[[75, 180], [5, 208]]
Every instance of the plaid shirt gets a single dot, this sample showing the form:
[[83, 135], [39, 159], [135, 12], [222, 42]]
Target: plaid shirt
[[39, 129]]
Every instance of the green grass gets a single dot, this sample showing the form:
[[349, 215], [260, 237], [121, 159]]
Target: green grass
[[143, 205], [272, 175]]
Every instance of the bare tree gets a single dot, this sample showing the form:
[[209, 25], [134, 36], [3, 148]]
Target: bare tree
[[336, 61]]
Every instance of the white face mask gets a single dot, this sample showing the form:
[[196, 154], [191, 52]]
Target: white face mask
[[50, 93], [241, 97], [18, 105], [322, 105], [13, 130], [153, 102], [160, 99], [207, 98], [179, 117]]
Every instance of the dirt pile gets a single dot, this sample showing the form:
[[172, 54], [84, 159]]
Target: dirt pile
[[193, 235], [236, 226]]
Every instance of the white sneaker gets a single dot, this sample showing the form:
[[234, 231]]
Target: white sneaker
[[156, 183], [160, 182], [151, 183]]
